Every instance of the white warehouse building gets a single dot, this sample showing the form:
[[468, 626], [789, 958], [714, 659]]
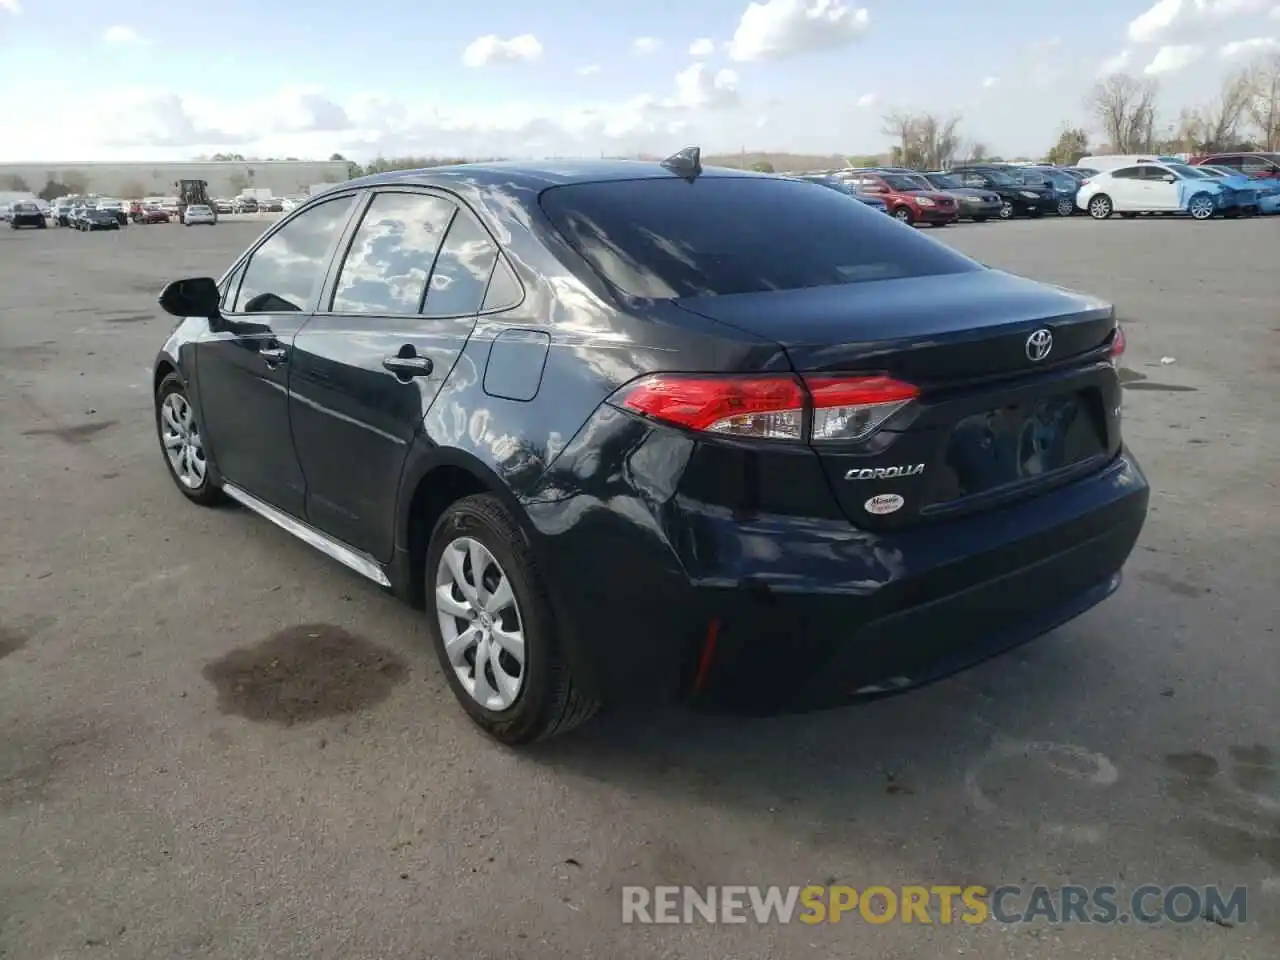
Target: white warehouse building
[[133, 180]]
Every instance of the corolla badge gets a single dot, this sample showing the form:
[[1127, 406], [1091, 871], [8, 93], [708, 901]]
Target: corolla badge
[[885, 473], [1039, 344]]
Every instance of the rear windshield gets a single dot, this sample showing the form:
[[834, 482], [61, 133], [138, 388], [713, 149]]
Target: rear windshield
[[718, 236]]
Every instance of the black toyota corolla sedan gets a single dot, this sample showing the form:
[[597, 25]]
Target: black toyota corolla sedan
[[632, 432]]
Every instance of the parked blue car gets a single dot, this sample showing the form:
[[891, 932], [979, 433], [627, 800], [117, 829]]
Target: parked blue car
[[1267, 191]]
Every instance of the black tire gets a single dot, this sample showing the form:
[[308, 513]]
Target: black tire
[[1035, 213], [1129, 216], [548, 703], [1100, 206], [1006, 211], [904, 215], [1066, 208], [208, 493], [979, 219]]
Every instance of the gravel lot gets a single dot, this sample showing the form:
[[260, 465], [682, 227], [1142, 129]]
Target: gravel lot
[[157, 801]]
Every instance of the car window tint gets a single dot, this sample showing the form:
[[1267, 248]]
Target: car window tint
[[1127, 173], [666, 237], [284, 273], [462, 270], [504, 288], [390, 257]]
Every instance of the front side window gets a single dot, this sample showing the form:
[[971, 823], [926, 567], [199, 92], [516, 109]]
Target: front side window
[[668, 238], [284, 274], [390, 257]]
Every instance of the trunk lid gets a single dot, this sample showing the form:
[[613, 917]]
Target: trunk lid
[[990, 424]]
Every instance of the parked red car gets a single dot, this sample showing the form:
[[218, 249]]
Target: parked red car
[[1260, 166], [152, 215], [907, 201]]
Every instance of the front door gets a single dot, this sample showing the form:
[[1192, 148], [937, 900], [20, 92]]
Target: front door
[[1161, 192], [242, 366], [365, 368]]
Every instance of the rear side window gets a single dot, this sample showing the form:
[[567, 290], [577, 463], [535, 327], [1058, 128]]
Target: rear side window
[[1127, 173], [717, 236], [284, 274], [390, 257], [462, 270]]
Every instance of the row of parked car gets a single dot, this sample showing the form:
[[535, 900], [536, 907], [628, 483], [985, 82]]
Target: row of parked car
[[1129, 186]]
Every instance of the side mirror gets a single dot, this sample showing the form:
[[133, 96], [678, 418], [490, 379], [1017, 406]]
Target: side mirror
[[195, 297], [1169, 178]]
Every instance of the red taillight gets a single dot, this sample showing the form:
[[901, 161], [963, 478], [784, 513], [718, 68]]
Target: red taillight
[[1117, 345], [847, 409]]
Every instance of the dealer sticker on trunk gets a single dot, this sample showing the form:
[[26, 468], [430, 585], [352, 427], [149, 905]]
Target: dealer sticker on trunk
[[883, 503]]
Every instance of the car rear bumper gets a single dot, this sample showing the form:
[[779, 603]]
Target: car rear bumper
[[772, 613]]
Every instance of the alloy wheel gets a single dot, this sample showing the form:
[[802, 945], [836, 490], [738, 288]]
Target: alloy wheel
[[1100, 208], [1066, 208], [182, 443], [1201, 208], [1006, 211], [480, 624]]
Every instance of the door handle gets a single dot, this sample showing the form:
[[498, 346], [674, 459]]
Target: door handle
[[413, 366], [274, 355]]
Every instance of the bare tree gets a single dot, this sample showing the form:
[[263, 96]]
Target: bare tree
[[925, 141], [1264, 101], [975, 151], [1216, 125], [1125, 107]]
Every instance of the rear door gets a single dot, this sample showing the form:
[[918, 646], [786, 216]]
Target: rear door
[[1125, 188], [396, 312], [242, 366]]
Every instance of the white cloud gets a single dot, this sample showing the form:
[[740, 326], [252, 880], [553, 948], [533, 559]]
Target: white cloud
[[1115, 64], [588, 70], [702, 48], [646, 45], [867, 100], [11, 6], [123, 36], [783, 28], [1172, 58], [1250, 46], [990, 82], [1275, 13], [1182, 19], [491, 49], [697, 87]]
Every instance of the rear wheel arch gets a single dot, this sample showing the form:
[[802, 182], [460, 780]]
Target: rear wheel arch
[[428, 490]]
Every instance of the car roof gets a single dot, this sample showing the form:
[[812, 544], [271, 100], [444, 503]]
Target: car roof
[[536, 175]]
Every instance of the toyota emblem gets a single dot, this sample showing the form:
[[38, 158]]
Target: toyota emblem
[[1039, 344]]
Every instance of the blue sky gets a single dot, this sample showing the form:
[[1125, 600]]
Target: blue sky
[[84, 80]]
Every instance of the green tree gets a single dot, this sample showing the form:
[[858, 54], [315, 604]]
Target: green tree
[[132, 190], [1073, 143], [75, 182], [15, 183], [762, 166], [239, 182], [52, 190]]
